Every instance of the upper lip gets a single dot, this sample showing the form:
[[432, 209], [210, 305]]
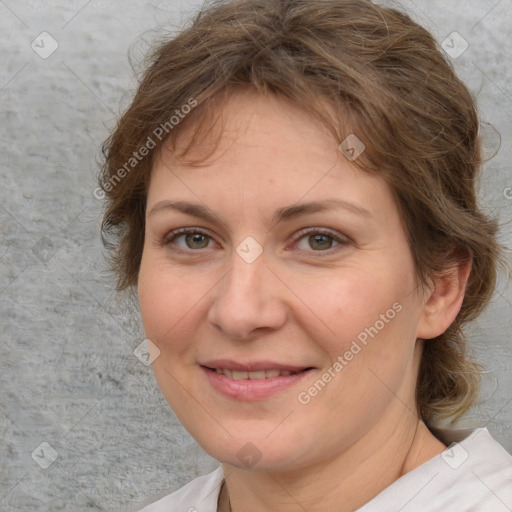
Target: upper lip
[[251, 366]]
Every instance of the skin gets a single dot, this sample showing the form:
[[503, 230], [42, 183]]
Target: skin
[[296, 303]]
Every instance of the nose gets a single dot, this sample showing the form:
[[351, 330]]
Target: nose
[[247, 300]]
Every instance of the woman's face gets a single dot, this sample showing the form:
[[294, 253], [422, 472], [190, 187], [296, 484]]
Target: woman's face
[[277, 283]]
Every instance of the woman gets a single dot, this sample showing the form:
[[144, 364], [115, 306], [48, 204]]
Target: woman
[[292, 193]]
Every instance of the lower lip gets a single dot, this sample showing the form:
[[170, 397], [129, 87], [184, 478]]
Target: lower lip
[[249, 390]]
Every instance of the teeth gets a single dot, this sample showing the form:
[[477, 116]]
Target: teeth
[[261, 374], [256, 375], [239, 375]]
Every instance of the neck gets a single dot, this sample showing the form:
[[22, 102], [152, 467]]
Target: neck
[[343, 483]]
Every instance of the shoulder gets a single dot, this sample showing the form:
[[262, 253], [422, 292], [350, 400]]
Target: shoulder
[[473, 474], [199, 495]]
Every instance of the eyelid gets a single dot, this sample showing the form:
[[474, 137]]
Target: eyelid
[[341, 239], [175, 233]]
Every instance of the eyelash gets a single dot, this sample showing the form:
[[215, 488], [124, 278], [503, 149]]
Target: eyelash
[[173, 235]]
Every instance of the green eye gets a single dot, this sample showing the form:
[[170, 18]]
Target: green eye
[[188, 239], [318, 240], [196, 240], [313, 240]]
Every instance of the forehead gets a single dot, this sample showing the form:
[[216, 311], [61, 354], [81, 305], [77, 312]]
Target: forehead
[[240, 114], [261, 147]]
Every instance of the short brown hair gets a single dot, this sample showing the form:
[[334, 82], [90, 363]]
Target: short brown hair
[[386, 78]]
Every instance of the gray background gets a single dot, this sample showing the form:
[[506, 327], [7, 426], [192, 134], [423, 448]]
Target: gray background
[[68, 375]]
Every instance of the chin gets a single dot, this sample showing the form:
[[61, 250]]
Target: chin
[[258, 452]]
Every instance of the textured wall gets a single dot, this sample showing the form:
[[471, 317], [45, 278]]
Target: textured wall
[[68, 375]]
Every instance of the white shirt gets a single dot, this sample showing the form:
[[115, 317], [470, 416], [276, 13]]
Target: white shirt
[[471, 475]]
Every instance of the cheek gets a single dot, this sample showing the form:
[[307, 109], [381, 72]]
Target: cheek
[[372, 321], [356, 302], [371, 315], [169, 302]]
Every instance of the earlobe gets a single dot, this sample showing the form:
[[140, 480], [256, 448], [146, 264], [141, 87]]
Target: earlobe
[[443, 301]]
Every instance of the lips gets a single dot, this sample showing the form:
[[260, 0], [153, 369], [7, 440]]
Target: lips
[[252, 369], [255, 375], [255, 380]]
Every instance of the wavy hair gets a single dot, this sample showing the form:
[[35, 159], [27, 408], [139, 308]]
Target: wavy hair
[[351, 60]]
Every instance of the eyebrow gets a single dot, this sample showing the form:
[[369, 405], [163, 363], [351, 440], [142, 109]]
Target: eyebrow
[[282, 214], [291, 212]]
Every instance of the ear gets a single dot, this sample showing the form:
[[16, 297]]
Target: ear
[[443, 301]]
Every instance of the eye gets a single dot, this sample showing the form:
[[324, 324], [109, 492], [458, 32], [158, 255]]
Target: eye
[[313, 239], [188, 239], [319, 240]]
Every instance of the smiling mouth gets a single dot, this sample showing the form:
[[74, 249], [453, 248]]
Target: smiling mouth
[[252, 381], [255, 375]]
